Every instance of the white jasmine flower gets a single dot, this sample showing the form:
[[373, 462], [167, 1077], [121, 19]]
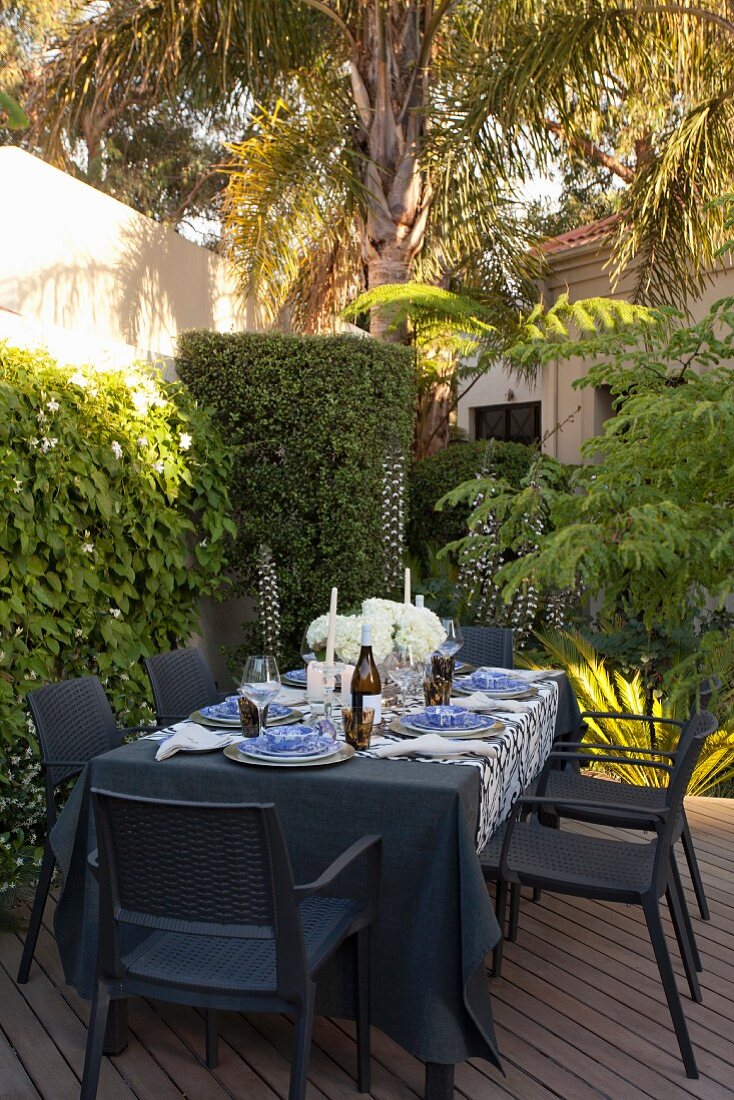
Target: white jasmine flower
[[46, 444], [116, 449], [160, 402], [34, 442], [115, 612], [52, 405], [78, 379], [78, 633], [87, 547], [142, 441], [142, 401], [40, 416], [185, 441], [18, 485], [158, 466]]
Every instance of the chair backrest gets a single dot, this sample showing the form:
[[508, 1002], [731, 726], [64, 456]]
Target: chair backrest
[[74, 722], [181, 681], [692, 736], [197, 868], [487, 645]]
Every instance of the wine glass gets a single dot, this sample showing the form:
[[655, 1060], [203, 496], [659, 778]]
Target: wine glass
[[260, 683], [454, 639], [406, 671], [307, 650]]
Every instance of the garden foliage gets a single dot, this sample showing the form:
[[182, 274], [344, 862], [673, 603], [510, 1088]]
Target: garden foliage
[[597, 688], [113, 498], [431, 478], [309, 419]]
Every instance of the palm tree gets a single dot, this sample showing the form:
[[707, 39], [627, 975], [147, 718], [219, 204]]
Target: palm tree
[[383, 136]]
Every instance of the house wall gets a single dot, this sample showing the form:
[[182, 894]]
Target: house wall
[[93, 279], [575, 414]]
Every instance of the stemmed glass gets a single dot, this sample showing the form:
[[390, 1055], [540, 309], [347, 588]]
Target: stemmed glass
[[307, 650], [260, 683], [406, 671], [454, 639]]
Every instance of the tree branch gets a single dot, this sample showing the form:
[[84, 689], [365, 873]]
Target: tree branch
[[319, 5], [592, 152], [683, 9]]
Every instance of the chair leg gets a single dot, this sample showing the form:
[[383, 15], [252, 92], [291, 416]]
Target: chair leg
[[39, 904], [95, 1041], [514, 911], [212, 1038], [302, 1047], [500, 908], [675, 872], [684, 943], [662, 957], [695, 870], [362, 986], [537, 894]]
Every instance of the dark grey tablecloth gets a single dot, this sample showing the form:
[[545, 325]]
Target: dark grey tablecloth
[[429, 990], [435, 924]]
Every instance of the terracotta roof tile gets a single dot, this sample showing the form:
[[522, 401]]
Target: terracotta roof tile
[[585, 234]]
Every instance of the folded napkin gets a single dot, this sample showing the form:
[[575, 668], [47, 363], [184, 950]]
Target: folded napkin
[[478, 701], [191, 736], [431, 744]]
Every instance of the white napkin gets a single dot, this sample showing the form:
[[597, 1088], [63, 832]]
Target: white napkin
[[431, 744], [529, 674], [478, 701], [190, 736]]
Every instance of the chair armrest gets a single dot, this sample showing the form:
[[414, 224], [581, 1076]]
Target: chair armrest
[[607, 758], [620, 810], [630, 717], [581, 745], [369, 846]]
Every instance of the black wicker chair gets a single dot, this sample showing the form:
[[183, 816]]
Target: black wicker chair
[[487, 645], [182, 682], [569, 783], [74, 722], [223, 926], [526, 852]]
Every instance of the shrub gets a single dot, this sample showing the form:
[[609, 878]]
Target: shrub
[[310, 419], [431, 478], [112, 515]]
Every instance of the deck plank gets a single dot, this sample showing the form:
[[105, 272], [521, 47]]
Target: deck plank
[[579, 1011]]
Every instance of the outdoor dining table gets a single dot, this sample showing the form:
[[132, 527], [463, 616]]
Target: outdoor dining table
[[435, 925]]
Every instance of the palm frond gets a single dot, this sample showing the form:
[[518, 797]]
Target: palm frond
[[291, 189], [596, 690]]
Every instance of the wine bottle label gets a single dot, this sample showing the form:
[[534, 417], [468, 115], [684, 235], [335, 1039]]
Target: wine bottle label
[[374, 701]]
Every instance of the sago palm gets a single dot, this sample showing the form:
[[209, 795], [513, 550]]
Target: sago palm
[[598, 689]]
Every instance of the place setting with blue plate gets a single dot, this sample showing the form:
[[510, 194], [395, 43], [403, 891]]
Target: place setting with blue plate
[[295, 746], [495, 683], [227, 713], [451, 721]]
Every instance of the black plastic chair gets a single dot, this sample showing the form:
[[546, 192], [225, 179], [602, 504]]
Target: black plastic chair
[[182, 682], [74, 722], [527, 853], [223, 926], [487, 645], [569, 783]]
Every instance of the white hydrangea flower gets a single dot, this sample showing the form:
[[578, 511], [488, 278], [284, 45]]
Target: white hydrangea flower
[[419, 628]]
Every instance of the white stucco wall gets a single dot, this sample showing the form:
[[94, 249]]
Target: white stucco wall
[[93, 279], [581, 272]]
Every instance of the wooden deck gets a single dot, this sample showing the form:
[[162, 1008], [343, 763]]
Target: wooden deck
[[580, 1015]]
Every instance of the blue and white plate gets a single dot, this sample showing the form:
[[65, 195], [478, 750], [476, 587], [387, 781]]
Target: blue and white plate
[[295, 676], [499, 684], [447, 719], [228, 711], [290, 743]]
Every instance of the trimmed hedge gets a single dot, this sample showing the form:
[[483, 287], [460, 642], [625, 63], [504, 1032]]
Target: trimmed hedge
[[112, 522], [432, 477], [309, 419]]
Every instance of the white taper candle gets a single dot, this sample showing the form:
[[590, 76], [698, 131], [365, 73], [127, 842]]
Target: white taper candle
[[331, 635]]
